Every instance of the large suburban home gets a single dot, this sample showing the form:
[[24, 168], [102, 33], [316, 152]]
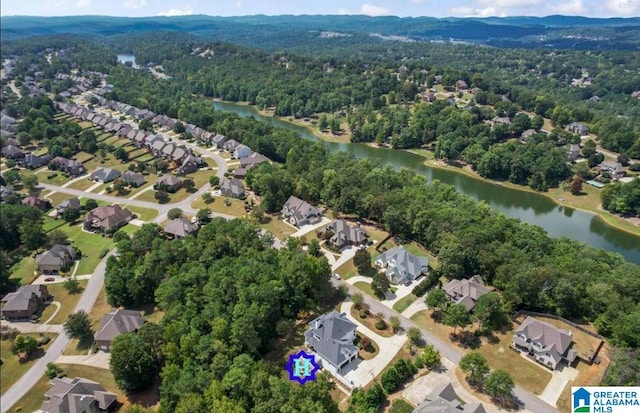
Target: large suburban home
[[331, 336], [68, 166], [34, 201], [231, 145], [57, 258], [242, 151], [190, 164], [115, 323], [219, 140], [298, 212], [72, 203], [254, 159], [345, 234], [107, 218], [401, 266], [548, 344], [180, 228], [466, 292], [27, 301], [444, 399], [573, 152], [12, 152], [613, 169], [32, 161], [578, 128], [232, 188], [77, 395], [104, 175], [133, 179], [168, 183]]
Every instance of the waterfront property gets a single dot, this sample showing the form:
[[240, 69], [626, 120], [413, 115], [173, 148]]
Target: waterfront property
[[548, 344], [466, 292], [298, 212]]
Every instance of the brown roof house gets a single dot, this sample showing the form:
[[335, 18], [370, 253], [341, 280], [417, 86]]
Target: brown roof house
[[116, 323], [299, 212], [133, 179], [331, 336], [180, 228], [57, 258], [345, 234], [27, 301], [232, 188], [77, 395], [107, 218], [444, 399], [168, 183], [34, 201], [548, 344], [466, 292]]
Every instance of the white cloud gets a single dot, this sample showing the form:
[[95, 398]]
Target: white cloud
[[515, 4], [238, 4], [571, 8], [134, 4], [344, 12], [81, 4], [371, 10], [463, 11], [624, 7], [177, 12]]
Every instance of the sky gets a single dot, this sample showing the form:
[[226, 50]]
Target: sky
[[403, 8]]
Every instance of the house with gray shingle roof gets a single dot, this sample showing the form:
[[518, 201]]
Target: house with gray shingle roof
[[547, 343], [401, 266], [77, 395], [116, 323], [578, 128], [444, 399], [614, 169], [104, 175], [180, 228], [298, 212], [345, 234], [168, 183], [133, 179], [232, 188], [72, 203], [57, 258], [25, 302], [12, 152], [331, 336], [465, 292], [219, 141]]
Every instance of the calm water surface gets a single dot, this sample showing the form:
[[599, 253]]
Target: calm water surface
[[124, 58], [535, 209]]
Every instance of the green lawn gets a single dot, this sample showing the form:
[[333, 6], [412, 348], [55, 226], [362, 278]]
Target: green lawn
[[24, 270], [400, 406], [83, 157], [67, 302], [59, 179], [144, 214], [236, 208], [404, 303], [137, 152], [12, 368], [278, 227], [146, 158], [57, 198], [365, 287], [89, 244], [82, 184], [347, 270], [50, 224]]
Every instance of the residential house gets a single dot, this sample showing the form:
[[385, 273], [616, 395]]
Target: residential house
[[231, 145], [613, 169], [107, 218], [68, 166], [578, 128], [462, 85], [179, 153], [72, 203], [190, 164], [115, 323], [527, 134], [242, 151], [345, 234], [133, 179], [7, 192], [57, 258], [548, 344], [573, 152], [124, 131], [104, 175], [428, 97], [157, 146], [252, 160], [34, 201], [132, 134], [298, 212], [168, 183], [27, 301], [501, 120], [219, 140], [331, 336], [444, 399], [12, 152], [78, 395], [232, 188], [180, 228], [401, 266], [139, 138], [466, 291]]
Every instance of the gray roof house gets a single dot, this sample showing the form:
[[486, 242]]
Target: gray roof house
[[57, 258], [615, 169], [232, 188], [231, 145], [104, 175], [573, 152], [548, 344], [12, 152], [219, 141], [180, 228], [115, 323], [465, 292], [69, 166], [32, 161], [72, 203], [107, 218], [133, 179], [168, 183], [578, 128], [77, 395], [331, 336], [443, 399], [254, 159], [25, 302], [298, 212], [345, 234], [190, 164], [400, 266]]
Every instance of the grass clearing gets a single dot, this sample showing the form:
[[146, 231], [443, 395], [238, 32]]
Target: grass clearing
[[83, 157], [235, 207], [347, 270], [278, 227], [404, 303], [13, 368], [57, 178], [370, 320], [364, 287], [89, 244], [82, 184], [400, 406], [25, 270], [144, 214], [57, 197], [67, 301]]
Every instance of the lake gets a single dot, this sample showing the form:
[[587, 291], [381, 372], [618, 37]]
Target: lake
[[528, 207], [124, 58]]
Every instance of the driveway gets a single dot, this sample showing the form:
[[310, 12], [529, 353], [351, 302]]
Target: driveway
[[558, 381], [58, 279], [35, 328], [99, 359], [311, 227]]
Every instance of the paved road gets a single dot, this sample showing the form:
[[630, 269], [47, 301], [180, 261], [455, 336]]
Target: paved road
[[29, 379], [531, 401]]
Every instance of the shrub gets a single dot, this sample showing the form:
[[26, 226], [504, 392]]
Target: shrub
[[53, 371], [51, 176], [430, 281], [418, 363], [380, 324], [44, 340]]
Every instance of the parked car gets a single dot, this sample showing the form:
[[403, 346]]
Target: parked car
[[336, 276], [49, 279], [408, 283]]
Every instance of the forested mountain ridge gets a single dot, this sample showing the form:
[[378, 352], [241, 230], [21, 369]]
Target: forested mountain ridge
[[273, 32]]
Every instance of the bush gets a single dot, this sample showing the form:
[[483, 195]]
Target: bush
[[52, 371], [362, 313], [635, 167], [430, 281], [44, 340], [418, 363], [51, 176], [380, 324], [103, 253]]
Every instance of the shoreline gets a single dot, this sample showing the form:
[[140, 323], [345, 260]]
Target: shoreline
[[608, 218]]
